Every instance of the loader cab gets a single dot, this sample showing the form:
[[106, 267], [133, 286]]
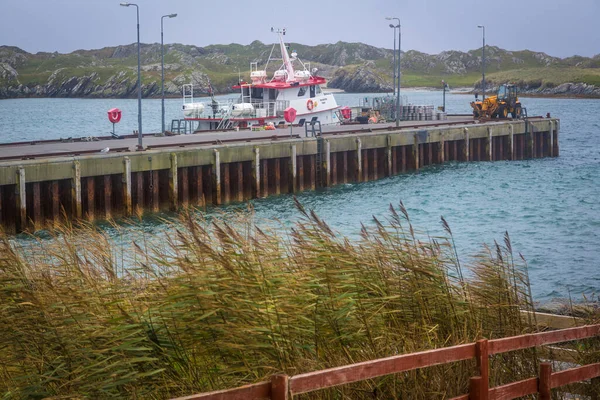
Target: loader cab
[[508, 94]]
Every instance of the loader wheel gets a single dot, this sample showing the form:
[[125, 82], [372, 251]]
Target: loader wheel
[[516, 112], [503, 112]]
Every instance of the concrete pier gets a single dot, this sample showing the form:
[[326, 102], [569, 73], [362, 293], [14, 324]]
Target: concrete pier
[[37, 193]]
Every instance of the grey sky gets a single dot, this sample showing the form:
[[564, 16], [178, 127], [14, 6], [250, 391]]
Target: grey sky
[[558, 27]]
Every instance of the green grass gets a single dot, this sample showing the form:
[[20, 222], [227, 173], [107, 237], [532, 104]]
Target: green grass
[[223, 303]]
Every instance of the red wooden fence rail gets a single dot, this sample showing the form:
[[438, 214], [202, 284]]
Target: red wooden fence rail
[[281, 387]]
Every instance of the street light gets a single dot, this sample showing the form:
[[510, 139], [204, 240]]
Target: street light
[[399, 69], [139, 77], [394, 74], [483, 60], [162, 68]]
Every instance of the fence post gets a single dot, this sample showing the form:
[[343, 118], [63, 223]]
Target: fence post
[[595, 389], [475, 384], [545, 381], [279, 387], [483, 363]]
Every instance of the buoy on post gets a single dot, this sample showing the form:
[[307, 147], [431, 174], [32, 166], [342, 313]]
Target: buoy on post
[[289, 115], [114, 116]]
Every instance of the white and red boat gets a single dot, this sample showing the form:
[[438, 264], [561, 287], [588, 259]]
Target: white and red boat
[[263, 101]]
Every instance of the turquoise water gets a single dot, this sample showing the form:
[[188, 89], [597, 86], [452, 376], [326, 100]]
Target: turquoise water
[[550, 207]]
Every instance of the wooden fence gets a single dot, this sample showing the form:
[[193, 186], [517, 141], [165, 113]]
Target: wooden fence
[[283, 387]]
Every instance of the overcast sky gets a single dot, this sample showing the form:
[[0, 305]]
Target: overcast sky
[[558, 27]]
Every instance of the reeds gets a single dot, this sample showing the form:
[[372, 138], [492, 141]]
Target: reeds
[[217, 304]]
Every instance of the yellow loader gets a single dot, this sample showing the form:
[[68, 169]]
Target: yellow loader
[[499, 106]]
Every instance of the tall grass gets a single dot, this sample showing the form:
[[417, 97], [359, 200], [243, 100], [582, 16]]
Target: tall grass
[[222, 303]]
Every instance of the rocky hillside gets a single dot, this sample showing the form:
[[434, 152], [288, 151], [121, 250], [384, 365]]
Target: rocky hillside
[[355, 67]]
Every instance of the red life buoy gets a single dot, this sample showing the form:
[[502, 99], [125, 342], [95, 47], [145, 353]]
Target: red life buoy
[[114, 115], [309, 105]]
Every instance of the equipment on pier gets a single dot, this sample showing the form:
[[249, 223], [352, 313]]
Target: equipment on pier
[[114, 116], [499, 106]]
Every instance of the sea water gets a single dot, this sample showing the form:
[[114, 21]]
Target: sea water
[[550, 207]]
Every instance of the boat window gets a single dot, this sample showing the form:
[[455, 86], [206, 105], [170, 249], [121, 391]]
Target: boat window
[[257, 93], [273, 94], [318, 89], [302, 91], [312, 91]]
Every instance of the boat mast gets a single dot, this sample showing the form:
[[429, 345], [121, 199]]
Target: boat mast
[[284, 55]]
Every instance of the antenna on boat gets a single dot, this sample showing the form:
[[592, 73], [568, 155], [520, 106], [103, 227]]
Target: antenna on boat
[[287, 63]]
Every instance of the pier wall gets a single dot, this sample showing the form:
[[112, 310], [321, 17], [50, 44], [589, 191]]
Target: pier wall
[[35, 194]]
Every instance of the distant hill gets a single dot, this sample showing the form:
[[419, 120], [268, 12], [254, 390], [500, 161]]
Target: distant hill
[[354, 67]]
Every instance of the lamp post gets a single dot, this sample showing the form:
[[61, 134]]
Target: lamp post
[[139, 77], [399, 69], [162, 69], [395, 67], [483, 60]]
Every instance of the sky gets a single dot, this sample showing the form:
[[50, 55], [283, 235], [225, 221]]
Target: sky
[[560, 28]]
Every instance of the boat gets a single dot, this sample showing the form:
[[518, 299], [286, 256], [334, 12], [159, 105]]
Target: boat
[[263, 102]]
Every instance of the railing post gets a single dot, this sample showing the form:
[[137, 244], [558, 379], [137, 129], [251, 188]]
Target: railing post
[[483, 363], [545, 381], [279, 387], [475, 388]]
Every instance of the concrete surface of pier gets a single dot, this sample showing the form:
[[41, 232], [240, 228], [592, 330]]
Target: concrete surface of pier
[[43, 183]]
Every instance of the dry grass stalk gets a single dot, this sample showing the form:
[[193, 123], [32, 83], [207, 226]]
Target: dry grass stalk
[[223, 303]]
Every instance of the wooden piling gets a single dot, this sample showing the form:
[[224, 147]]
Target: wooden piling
[[277, 171], [301, 173], [91, 198], [441, 149], [551, 130], [198, 188], [359, 168], [184, 188], [265, 178], [365, 165], [466, 144], [345, 167], [127, 203], [107, 196], [388, 156], [256, 173], [374, 162], [511, 143], [173, 184], [334, 169], [226, 184], [55, 201], [154, 189], [293, 169], [415, 152], [490, 145], [429, 153], [216, 177], [21, 200], [239, 183], [76, 190], [327, 166], [37, 206]]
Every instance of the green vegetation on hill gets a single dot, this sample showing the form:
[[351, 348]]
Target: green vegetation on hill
[[356, 67]]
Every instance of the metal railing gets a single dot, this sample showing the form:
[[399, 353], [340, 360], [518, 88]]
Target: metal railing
[[260, 109], [282, 387]]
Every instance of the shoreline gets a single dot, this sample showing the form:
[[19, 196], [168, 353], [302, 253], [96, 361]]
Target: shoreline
[[459, 91]]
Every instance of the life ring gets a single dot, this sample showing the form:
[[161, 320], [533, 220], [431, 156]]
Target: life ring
[[309, 105]]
